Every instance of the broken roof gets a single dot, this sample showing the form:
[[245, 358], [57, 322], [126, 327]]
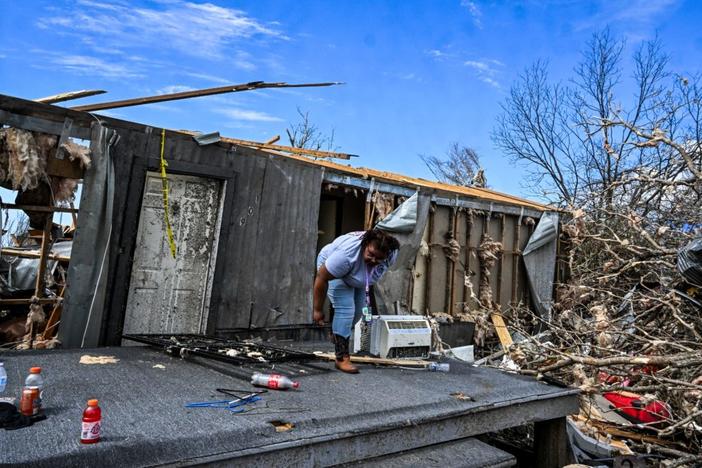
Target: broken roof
[[398, 179]]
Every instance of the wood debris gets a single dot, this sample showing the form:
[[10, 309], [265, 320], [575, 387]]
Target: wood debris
[[89, 360]]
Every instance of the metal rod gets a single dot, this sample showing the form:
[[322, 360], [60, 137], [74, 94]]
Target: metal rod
[[195, 93]]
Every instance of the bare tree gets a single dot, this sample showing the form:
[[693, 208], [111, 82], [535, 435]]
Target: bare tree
[[305, 134], [630, 169], [460, 166], [558, 130]]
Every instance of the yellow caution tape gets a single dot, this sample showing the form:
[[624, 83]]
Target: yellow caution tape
[[164, 183]]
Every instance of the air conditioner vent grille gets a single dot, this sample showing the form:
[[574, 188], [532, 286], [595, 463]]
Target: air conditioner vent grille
[[406, 324]]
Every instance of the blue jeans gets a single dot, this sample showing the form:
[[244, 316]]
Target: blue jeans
[[348, 305]]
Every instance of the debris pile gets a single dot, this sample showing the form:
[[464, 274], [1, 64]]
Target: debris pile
[[626, 324], [35, 254]]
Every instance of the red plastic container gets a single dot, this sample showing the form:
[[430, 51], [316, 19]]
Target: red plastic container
[[92, 415]]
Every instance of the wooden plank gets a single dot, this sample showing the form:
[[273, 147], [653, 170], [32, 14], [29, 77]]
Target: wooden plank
[[43, 300], [37, 208], [283, 149], [501, 330], [43, 252], [61, 97], [551, 443], [31, 254], [377, 361], [196, 93], [37, 124], [54, 318]]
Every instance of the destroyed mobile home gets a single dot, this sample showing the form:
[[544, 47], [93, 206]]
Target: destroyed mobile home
[[248, 219]]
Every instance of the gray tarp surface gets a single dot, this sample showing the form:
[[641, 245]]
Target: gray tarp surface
[[394, 286], [20, 274], [403, 218], [145, 423], [540, 261]]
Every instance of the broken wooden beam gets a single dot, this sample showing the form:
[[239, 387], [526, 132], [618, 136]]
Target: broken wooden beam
[[43, 209], [194, 93], [376, 361], [501, 330], [69, 96], [31, 254], [43, 300], [43, 252]]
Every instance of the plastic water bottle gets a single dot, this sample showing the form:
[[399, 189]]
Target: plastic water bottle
[[90, 425], [34, 379], [275, 381], [3, 377], [438, 367]]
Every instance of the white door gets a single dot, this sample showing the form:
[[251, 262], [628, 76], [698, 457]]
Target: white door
[[168, 295]]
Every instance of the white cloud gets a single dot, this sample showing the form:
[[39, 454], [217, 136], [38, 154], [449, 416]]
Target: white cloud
[[248, 115], [93, 66], [198, 29], [486, 70], [207, 77], [474, 11], [633, 14], [436, 53], [174, 89]]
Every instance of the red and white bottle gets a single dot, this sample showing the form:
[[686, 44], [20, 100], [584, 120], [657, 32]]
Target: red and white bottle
[[275, 381], [90, 432]]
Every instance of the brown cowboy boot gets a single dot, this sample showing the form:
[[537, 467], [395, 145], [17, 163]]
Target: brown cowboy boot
[[343, 361]]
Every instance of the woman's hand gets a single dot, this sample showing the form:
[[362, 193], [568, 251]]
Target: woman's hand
[[321, 284], [318, 317]]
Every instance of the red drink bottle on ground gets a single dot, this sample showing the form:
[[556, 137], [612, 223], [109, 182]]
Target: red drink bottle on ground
[[90, 432]]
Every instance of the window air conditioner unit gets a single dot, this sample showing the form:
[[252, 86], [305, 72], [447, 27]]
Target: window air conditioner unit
[[393, 336]]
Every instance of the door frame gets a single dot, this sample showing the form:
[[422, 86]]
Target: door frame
[[117, 302]]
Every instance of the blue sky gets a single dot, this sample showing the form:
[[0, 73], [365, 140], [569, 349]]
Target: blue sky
[[419, 75]]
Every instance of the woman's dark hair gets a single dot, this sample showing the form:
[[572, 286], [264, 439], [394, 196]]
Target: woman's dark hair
[[383, 241]]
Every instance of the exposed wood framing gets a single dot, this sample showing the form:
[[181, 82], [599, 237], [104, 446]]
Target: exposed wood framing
[[42, 209], [54, 318], [30, 254], [36, 124], [27, 301], [45, 245], [368, 210], [282, 148], [427, 273], [500, 262], [516, 254], [405, 186], [467, 253], [450, 264]]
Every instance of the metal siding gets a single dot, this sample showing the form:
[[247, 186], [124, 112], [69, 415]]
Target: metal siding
[[287, 241], [239, 256]]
